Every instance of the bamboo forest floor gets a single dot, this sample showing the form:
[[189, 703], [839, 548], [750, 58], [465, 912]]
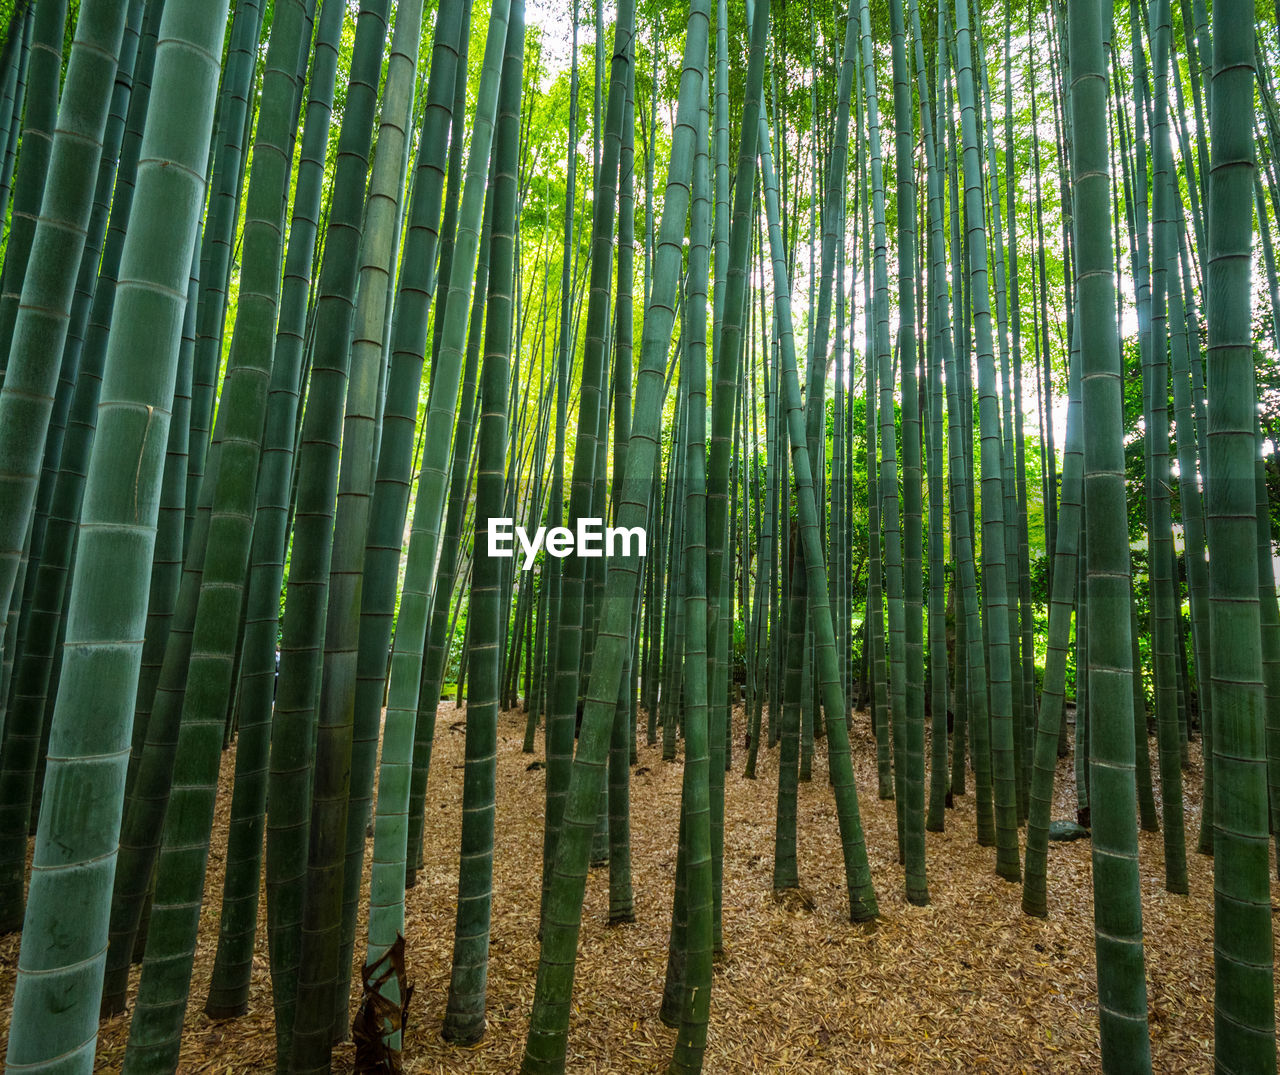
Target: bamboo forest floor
[[967, 983]]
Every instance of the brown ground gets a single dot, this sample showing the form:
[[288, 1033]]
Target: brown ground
[[966, 984]]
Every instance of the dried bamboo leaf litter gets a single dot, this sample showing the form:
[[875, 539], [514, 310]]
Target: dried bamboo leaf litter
[[968, 983]]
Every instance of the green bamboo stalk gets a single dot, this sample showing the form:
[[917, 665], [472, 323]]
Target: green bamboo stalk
[[875, 583], [695, 799], [1122, 1007], [396, 452], [44, 74], [464, 1021], [382, 1004], [786, 870], [995, 590], [1052, 701], [157, 1021], [972, 724], [621, 747], [549, 1022], [1165, 600], [862, 900], [1270, 621], [35, 338], [1194, 419], [322, 973], [1244, 991], [1044, 384], [293, 725], [82, 302], [1008, 482], [1080, 753], [229, 988], [938, 327], [913, 665], [75, 847], [440, 631], [1027, 640], [235, 116], [41, 653], [573, 656], [889, 508], [17, 100], [727, 341]]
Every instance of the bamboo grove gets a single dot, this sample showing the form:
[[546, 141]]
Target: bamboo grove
[[894, 340]]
